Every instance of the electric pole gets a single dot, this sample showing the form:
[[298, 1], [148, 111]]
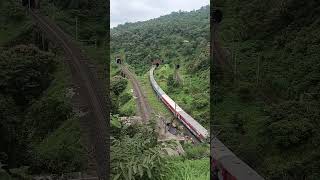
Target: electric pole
[[77, 28], [258, 69]]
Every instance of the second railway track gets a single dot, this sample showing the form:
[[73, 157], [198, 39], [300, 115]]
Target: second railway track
[[91, 90]]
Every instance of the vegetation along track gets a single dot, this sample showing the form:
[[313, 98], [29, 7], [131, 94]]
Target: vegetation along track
[[91, 91], [143, 105]]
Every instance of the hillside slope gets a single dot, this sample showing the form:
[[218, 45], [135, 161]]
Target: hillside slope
[[273, 101], [180, 38]]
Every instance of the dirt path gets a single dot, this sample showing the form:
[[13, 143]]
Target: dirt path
[[143, 105]]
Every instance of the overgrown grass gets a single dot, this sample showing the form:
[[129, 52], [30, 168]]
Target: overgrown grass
[[129, 108], [62, 151], [153, 100], [188, 169]]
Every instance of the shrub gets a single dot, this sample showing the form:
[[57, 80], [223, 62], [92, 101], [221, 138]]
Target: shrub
[[124, 98], [245, 92], [118, 84]]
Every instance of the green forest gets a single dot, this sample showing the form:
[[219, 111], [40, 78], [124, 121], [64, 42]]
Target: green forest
[[180, 38], [268, 104], [39, 133]]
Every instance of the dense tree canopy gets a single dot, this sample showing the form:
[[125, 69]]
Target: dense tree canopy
[[275, 91]]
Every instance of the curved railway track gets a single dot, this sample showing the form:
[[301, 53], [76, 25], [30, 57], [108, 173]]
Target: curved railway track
[[143, 105], [91, 92]]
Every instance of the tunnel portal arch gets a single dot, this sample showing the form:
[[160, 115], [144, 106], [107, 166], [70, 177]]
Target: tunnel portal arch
[[118, 60], [157, 62]]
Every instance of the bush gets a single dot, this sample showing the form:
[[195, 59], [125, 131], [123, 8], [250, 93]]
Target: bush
[[245, 92], [197, 152], [25, 72], [12, 11], [118, 84], [290, 123], [61, 151], [45, 116], [124, 98]]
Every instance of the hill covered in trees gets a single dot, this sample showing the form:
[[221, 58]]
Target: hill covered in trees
[[180, 38], [272, 101]]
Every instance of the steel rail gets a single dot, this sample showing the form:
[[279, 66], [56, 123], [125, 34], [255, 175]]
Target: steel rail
[[96, 101]]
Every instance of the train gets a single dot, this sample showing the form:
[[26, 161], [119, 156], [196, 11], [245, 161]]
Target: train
[[191, 124], [225, 165]]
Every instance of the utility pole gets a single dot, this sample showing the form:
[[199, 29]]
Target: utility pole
[[77, 28], [235, 64], [42, 38], [258, 69]]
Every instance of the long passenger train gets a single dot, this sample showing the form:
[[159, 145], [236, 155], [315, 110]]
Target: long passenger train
[[225, 165], [193, 126]]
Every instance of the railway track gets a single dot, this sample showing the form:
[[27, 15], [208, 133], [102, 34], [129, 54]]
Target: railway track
[[91, 92], [144, 108]]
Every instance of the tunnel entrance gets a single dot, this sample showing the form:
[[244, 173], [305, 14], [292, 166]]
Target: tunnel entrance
[[156, 62], [118, 60], [177, 66]]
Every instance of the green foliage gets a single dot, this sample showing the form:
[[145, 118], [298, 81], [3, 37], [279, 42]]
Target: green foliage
[[45, 116], [125, 97], [274, 43], [171, 83], [128, 109], [188, 169], [61, 151], [245, 92], [12, 11], [197, 152], [25, 72], [137, 156], [290, 124], [118, 84], [177, 37]]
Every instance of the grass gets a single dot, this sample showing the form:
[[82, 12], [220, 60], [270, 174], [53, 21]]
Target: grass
[[62, 151], [129, 108], [189, 169]]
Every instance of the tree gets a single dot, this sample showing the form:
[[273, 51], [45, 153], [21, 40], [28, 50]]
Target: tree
[[25, 72]]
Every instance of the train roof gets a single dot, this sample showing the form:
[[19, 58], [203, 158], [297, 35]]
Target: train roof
[[231, 162], [194, 123]]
